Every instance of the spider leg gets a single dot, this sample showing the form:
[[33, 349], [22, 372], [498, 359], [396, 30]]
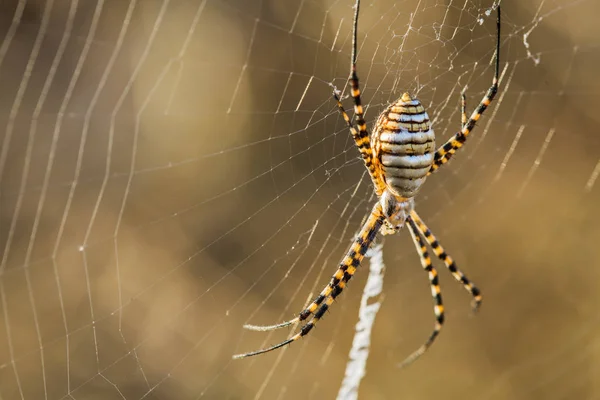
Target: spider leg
[[447, 150], [448, 261], [438, 307], [303, 331], [364, 145], [361, 135], [463, 110], [345, 271]]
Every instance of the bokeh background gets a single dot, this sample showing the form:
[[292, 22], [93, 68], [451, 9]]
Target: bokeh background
[[171, 170]]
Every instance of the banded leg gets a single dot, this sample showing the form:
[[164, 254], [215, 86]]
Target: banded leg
[[438, 307], [447, 150], [448, 261], [364, 146], [361, 135], [346, 270], [463, 110]]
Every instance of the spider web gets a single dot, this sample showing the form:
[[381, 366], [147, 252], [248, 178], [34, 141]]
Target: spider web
[[172, 170]]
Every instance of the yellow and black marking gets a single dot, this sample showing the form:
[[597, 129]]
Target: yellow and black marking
[[348, 265], [398, 159], [364, 146], [404, 146], [447, 150], [338, 282], [438, 306], [447, 260]]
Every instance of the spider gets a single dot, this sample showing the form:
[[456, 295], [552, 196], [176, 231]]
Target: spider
[[399, 156]]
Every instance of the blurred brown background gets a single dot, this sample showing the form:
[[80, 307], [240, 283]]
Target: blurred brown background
[[171, 170]]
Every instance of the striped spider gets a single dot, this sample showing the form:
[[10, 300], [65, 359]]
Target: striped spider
[[399, 156]]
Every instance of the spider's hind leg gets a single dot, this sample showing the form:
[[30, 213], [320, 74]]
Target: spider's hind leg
[[445, 152], [361, 138]]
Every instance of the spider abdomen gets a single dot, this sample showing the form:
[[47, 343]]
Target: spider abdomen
[[404, 145]]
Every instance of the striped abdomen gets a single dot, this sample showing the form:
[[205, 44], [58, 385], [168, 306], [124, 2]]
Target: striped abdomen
[[404, 144]]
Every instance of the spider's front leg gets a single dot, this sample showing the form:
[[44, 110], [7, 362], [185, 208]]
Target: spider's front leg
[[434, 283], [338, 282], [463, 110], [447, 260], [417, 230]]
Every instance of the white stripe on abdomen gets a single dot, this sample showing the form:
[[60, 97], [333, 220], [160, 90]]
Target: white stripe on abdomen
[[405, 146]]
